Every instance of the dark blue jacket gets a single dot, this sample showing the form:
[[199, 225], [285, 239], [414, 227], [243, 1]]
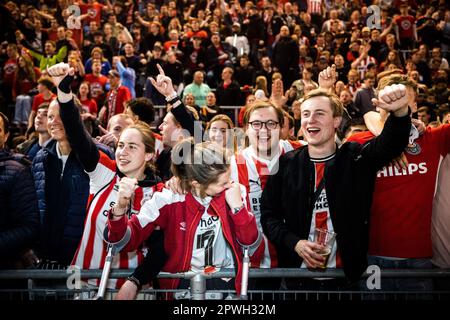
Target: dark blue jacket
[[19, 220], [62, 198]]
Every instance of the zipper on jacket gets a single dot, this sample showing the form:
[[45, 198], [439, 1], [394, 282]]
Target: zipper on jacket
[[185, 262]]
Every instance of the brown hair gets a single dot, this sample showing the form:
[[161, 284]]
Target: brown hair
[[335, 103], [258, 104], [202, 162], [46, 81], [397, 79], [290, 119], [221, 117], [147, 135], [147, 138], [229, 122], [97, 49]]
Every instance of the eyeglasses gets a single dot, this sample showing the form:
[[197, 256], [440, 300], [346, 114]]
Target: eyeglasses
[[270, 125]]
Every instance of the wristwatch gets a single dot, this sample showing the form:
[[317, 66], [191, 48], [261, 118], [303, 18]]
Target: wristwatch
[[237, 209], [171, 96], [135, 281]]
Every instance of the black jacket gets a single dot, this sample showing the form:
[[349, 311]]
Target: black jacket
[[62, 197], [19, 217], [287, 200]]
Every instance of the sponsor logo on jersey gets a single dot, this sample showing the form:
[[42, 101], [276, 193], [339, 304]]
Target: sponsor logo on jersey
[[413, 168]]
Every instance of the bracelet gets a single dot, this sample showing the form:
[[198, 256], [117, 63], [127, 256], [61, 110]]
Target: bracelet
[[237, 209], [136, 282], [112, 212], [171, 97]]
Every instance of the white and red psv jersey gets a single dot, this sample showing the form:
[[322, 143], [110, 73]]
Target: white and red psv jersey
[[91, 251], [252, 172], [314, 6]]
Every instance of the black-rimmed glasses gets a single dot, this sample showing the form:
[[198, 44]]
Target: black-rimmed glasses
[[270, 125]]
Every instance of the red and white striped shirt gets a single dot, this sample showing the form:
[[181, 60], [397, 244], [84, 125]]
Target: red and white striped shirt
[[252, 172], [91, 251], [321, 215], [315, 6], [362, 66]]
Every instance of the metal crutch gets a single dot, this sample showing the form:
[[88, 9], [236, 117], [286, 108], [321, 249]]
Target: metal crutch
[[112, 250], [245, 270], [244, 280]]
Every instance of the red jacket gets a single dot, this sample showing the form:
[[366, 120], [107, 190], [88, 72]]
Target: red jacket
[[178, 216]]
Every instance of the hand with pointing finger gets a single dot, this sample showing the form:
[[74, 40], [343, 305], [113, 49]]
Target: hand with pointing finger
[[163, 83], [109, 139], [327, 77]]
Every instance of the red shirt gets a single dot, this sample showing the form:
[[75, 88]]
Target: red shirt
[[52, 35], [94, 10], [24, 86], [178, 216], [89, 105], [115, 100], [169, 44], [400, 224], [96, 85], [39, 99], [9, 69], [405, 26]]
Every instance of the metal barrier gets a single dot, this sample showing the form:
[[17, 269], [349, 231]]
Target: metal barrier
[[198, 290]]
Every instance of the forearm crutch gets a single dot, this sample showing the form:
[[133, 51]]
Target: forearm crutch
[[245, 270], [112, 250]]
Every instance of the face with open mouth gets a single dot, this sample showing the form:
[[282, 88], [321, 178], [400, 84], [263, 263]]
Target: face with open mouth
[[263, 140], [318, 124]]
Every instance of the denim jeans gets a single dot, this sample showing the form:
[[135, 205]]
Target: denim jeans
[[23, 109], [402, 284]]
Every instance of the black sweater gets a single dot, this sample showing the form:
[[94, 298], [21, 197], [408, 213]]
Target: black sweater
[[286, 208]]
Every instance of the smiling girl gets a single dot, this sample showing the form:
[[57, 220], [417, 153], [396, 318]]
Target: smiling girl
[[133, 156]]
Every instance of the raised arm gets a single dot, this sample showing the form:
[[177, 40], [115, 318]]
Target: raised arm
[[361, 57], [45, 15], [126, 34], [187, 121], [327, 78], [80, 141], [394, 137], [121, 68]]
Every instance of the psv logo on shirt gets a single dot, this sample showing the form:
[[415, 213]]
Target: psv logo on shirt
[[413, 149]]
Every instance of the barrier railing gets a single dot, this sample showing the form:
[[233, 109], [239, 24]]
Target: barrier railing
[[197, 290]]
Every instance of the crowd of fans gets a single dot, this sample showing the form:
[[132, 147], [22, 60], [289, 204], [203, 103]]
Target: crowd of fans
[[223, 58]]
